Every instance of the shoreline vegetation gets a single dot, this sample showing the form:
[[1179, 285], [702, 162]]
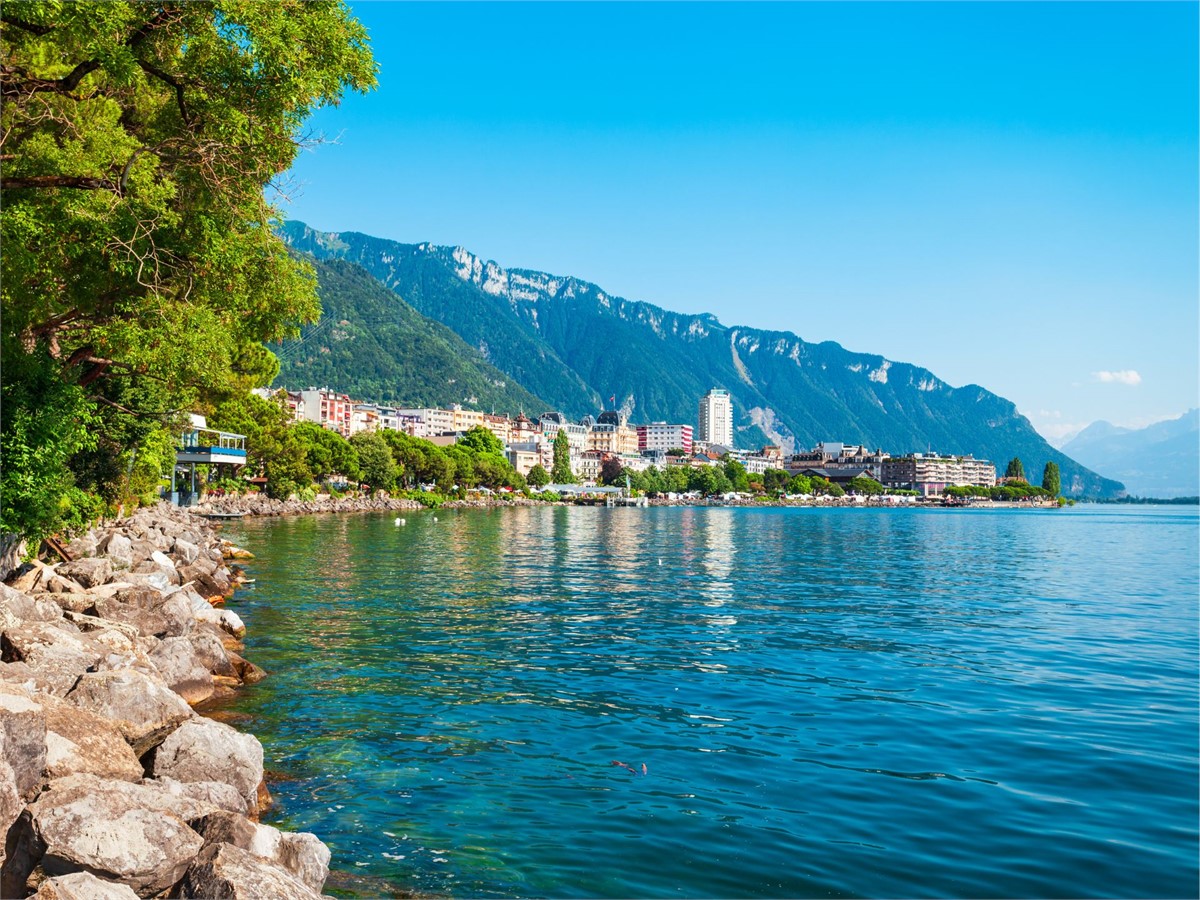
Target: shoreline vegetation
[[113, 783]]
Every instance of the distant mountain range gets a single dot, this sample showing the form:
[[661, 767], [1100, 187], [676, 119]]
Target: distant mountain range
[[574, 345], [1160, 460]]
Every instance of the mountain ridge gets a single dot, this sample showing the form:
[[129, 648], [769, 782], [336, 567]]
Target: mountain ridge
[[571, 342], [1161, 460]]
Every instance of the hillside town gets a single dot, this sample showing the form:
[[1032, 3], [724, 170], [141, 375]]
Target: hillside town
[[608, 437]]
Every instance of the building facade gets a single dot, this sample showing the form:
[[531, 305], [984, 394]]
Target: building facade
[[661, 437], [716, 418], [929, 474]]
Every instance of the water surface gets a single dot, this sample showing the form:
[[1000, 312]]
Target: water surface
[[844, 702]]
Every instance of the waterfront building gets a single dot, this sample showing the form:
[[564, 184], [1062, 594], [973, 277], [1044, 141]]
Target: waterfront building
[[929, 474], [328, 409], [837, 456], [465, 419], [433, 421], [662, 436], [523, 457], [500, 426], [612, 433], [716, 418], [364, 417], [577, 435]]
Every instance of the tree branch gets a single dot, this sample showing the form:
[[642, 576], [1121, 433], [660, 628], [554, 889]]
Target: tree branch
[[164, 77], [25, 26], [80, 182]]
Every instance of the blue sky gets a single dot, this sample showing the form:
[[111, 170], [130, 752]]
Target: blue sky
[[1003, 193]]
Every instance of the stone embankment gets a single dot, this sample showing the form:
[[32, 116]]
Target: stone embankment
[[111, 785], [253, 504]]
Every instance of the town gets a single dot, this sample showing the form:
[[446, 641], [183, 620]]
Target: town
[[599, 447]]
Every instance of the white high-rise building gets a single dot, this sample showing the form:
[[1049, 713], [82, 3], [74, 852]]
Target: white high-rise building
[[716, 418]]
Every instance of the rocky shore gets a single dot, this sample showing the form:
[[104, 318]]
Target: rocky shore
[[111, 784], [262, 505]]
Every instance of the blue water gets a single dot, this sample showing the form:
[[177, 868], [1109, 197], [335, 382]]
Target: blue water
[[842, 702]]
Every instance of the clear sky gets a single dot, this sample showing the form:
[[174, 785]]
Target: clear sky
[[1003, 193]]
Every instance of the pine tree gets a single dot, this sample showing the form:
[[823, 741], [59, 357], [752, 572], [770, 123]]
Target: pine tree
[[1015, 468], [1051, 480], [561, 472]]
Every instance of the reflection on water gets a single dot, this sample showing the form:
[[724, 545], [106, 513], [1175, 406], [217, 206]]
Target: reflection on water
[[827, 702]]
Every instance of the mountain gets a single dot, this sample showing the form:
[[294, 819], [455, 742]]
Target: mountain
[[575, 345], [372, 345], [1160, 460]]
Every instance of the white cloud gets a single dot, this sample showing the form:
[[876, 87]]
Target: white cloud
[[1122, 376]]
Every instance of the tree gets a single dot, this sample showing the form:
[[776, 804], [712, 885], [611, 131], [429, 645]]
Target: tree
[[561, 472], [538, 476], [481, 440], [736, 473], [139, 260], [863, 484], [611, 471], [1051, 479], [375, 459], [327, 452], [1015, 468]]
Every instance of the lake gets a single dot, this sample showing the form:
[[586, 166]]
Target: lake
[[802, 702]]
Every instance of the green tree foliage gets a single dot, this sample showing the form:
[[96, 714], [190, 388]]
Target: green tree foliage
[[538, 476], [138, 253], [775, 480], [274, 450], [375, 460], [46, 422], [864, 485], [800, 485], [326, 452], [1051, 479], [736, 473], [561, 472], [1014, 469], [421, 462]]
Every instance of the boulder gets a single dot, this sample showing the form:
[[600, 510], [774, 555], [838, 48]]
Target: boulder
[[301, 855], [79, 741], [231, 873], [216, 794], [150, 610], [115, 830], [182, 669], [56, 655], [88, 571], [11, 803], [200, 566], [83, 886], [118, 548], [28, 576], [23, 608], [204, 750], [23, 724], [151, 578], [185, 550], [211, 652], [247, 671], [232, 622], [143, 708]]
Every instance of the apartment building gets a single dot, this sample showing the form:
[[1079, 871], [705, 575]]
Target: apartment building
[[929, 473], [661, 436], [716, 418]]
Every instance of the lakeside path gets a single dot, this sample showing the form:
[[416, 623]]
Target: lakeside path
[[113, 784]]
